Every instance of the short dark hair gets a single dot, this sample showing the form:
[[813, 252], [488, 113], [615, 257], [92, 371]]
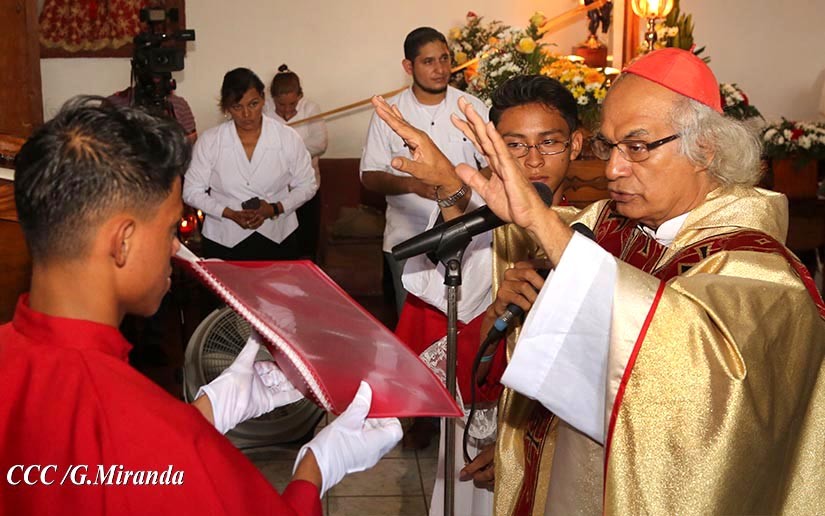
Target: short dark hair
[[235, 85], [535, 89], [285, 81], [418, 38], [91, 159]]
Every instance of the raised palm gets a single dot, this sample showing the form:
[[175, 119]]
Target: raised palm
[[507, 192]]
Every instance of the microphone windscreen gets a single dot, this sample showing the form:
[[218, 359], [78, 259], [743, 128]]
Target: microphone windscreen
[[545, 192]]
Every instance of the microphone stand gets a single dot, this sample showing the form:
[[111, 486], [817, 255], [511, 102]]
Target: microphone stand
[[449, 252]]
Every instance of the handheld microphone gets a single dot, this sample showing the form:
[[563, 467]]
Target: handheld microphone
[[514, 311], [470, 224]]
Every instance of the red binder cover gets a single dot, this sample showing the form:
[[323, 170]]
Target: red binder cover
[[323, 340]]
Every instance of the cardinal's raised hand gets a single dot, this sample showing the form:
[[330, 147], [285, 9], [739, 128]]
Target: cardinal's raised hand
[[507, 192], [428, 164]]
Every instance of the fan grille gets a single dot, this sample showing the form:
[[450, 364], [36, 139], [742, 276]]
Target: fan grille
[[213, 347]]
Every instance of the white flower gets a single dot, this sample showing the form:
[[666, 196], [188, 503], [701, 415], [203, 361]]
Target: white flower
[[582, 101]]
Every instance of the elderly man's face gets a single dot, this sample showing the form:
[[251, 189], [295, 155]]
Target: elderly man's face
[[666, 184]]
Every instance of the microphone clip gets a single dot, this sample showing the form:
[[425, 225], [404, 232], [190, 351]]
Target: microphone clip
[[450, 252]]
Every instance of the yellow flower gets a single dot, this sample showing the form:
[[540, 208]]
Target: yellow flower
[[538, 19], [600, 93], [455, 34], [492, 41], [526, 45], [460, 57], [592, 76]]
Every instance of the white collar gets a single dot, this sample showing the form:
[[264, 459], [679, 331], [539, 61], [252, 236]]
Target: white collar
[[667, 231], [415, 100]]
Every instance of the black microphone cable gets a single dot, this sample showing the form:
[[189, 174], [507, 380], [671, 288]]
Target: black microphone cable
[[494, 336]]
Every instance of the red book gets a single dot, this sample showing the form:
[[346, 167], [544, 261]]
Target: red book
[[323, 340]]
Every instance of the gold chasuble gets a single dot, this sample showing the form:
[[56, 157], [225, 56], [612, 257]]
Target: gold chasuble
[[715, 391]]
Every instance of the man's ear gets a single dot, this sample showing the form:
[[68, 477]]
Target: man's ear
[[708, 153], [408, 66], [121, 240], [576, 141]]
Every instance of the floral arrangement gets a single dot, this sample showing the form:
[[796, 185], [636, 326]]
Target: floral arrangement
[[588, 86], [504, 52], [804, 141], [735, 103], [512, 52], [468, 41]]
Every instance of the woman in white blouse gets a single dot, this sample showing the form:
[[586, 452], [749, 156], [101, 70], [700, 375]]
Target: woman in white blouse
[[287, 104], [248, 176]]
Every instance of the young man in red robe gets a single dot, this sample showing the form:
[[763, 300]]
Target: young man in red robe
[[98, 193]]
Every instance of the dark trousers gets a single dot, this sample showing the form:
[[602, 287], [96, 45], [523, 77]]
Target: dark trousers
[[254, 247], [309, 225]]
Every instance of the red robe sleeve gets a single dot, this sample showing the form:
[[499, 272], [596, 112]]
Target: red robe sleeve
[[242, 490]]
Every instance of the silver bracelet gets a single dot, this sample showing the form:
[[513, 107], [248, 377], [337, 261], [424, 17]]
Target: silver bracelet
[[452, 199]]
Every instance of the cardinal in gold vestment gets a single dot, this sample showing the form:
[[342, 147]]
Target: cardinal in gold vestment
[[716, 343], [676, 363]]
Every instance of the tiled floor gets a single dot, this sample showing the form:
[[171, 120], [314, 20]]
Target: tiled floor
[[399, 485]]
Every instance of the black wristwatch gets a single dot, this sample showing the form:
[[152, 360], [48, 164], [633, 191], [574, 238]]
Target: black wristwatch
[[276, 212]]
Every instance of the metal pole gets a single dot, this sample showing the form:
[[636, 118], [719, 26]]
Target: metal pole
[[452, 279], [449, 423]]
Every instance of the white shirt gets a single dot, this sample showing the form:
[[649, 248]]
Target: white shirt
[[666, 233], [314, 134], [425, 280], [280, 171], [561, 355], [408, 214]]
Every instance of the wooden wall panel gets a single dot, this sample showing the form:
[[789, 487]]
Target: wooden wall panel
[[21, 103], [15, 262]]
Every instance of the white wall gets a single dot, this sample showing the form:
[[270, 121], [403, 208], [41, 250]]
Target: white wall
[[343, 51], [774, 50], [346, 51]]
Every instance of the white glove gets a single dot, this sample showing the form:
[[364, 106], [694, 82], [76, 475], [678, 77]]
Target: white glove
[[352, 442], [247, 389]]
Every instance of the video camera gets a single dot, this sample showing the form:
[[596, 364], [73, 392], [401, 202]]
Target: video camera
[[157, 53]]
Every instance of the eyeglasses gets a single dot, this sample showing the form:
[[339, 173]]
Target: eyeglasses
[[632, 150], [545, 148]]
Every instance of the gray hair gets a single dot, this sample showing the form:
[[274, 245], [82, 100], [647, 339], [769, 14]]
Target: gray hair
[[729, 149]]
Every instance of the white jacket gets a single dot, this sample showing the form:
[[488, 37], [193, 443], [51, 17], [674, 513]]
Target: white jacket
[[221, 176]]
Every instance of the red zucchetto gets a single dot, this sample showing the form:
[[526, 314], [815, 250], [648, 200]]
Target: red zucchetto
[[680, 71]]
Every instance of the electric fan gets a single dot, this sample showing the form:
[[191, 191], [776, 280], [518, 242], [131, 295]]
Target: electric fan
[[213, 347]]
